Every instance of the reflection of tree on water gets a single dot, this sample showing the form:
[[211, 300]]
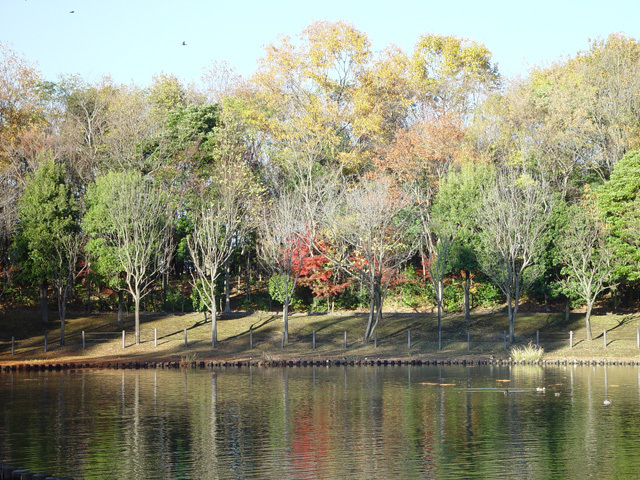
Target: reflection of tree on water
[[370, 422]]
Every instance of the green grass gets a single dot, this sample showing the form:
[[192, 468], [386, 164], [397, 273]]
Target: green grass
[[486, 335]]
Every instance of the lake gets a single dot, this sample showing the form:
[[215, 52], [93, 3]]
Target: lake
[[374, 422]]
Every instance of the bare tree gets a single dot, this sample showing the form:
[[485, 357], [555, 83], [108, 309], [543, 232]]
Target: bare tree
[[438, 235], [587, 258], [513, 216], [369, 227], [218, 225], [129, 214], [282, 241], [66, 269]]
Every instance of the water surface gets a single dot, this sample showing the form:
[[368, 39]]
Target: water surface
[[325, 422]]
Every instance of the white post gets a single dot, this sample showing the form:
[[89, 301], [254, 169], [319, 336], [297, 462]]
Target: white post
[[571, 339], [122, 338], [155, 337]]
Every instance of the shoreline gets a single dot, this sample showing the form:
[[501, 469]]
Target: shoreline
[[167, 364]]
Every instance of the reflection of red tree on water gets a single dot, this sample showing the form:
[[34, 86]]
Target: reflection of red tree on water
[[310, 443]]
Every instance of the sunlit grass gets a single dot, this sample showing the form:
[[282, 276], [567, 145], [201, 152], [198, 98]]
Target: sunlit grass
[[528, 353]]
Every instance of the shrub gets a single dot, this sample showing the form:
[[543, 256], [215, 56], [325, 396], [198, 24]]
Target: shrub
[[529, 353]]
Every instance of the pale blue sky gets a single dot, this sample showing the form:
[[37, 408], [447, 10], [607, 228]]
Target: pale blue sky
[[134, 39]]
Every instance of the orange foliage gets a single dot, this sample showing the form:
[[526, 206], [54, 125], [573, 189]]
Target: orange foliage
[[425, 150]]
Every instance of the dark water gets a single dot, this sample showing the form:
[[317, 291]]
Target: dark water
[[333, 423]]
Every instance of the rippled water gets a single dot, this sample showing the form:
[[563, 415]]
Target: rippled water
[[334, 422]]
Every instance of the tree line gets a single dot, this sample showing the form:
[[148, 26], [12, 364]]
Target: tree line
[[333, 168]]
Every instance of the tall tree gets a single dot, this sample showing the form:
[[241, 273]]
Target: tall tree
[[49, 217], [513, 215], [371, 230], [219, 224], [618, 200], [282, 233], [586, 256], [131, 215]]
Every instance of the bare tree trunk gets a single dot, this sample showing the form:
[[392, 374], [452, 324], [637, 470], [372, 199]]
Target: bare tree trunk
[[165, 281], [88, 294], [227, 287], [214, 323], [285, 318], [439, 300], [510, 314], [62, 312], [120, 306], [546, 303], [467, 288], [136, 300], [588, 320], [248, 276], [44, 312], [369, 330]]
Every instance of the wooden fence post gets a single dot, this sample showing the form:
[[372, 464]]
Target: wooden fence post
[[571, 339], [604, 337], [12, 345], [409, 339], [538, 338], [345, 339], [185, 338], [123, 336], [155, 337], [251, 337], [83, 342]]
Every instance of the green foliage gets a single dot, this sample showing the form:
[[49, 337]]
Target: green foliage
[[281, 287], [352, 297], [485, 295], [48, 212], [414, 291], [619, 201]]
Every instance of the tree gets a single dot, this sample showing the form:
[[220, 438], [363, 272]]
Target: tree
[[218, 225], [619, 201], [450, 75], [512, 216], [282, 232], [130, 215], [586, 256], [369, 229], [438, 237], [20, 103], [456, 203], [48, 221]]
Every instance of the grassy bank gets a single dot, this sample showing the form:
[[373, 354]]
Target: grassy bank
[[485, 333]]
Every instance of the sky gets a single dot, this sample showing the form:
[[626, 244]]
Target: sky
[[133, 40]]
